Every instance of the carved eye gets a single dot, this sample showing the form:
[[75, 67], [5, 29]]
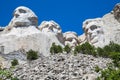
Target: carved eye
[[22, 11], [93, 27], [15, 14]]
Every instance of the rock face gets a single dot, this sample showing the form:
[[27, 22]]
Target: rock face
[[94, 31], [82, 38], [71, 39], [116, 11], [23, 17], [52, 27], [21, 33], [101, 31]]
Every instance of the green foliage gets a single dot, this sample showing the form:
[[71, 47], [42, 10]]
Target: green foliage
[[75, 53], [97, 69], [108, 49], [113, 47], [32, 55], [59, 49], [77, 49], [55, 49], [98, 78], [14, 62], [112, 51], [15, 78], [116, 58], [67, 49], [85, 48], [110, 74], [6, 74], [101, 52]]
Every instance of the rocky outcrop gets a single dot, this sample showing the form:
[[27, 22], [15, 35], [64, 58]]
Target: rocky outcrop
[[93, 29], [23, 17], [116, 11], [21, 33], [61, 67], [101, 31], [71, 39], [82, 38], [52, 27]]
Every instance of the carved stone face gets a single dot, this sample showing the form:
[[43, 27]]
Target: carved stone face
[[71, 39], [94, 32], [20, 11], [23, 17], [50, 26], [116, 11]]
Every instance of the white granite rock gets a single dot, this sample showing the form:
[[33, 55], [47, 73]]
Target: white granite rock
[[52, 27], [71, 38], [21, 33], [101, 31], [94, 31], [116, 11], [23, 17]]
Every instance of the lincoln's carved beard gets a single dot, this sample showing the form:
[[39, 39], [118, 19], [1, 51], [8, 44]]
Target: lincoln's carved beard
[[94, 33]]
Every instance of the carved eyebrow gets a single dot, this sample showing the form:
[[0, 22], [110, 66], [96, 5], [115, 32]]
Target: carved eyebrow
[[22, 11]]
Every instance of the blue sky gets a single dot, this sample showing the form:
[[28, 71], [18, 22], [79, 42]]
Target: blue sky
[[69, 14]]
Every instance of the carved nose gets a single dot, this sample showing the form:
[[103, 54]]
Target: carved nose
[[16, 15], [89, 31]]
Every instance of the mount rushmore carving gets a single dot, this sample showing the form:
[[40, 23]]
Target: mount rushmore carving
[[23, 32]]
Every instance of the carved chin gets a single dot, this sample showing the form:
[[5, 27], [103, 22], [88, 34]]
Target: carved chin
[[94, 40]]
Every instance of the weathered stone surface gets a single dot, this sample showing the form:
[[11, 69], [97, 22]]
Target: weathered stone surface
[[52, 27], [21, 33], [27, 38], [23, 17], [94, 31], [82, 38], [71, 38], [101, 31], [116, 11], [1, 29]]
